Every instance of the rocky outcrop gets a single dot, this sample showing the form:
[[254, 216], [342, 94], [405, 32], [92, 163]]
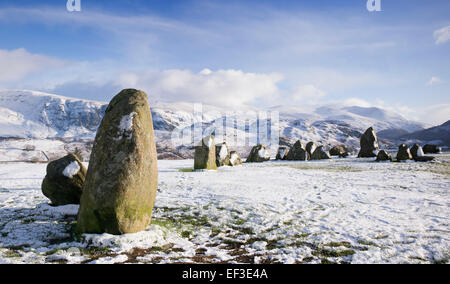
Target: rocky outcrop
[[369, 144], [383, 155], [64, 181], [339, 150], [258, 154], [205, 154], [222, 155], [297, 152], [320, 154], [282, 153], [122, 177], [235, 159], [404, 153]]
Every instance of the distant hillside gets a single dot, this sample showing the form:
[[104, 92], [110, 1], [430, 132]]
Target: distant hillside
[[439, 135], [36, 115]]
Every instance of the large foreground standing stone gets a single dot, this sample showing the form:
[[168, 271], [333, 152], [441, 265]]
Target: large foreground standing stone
[[369, 143], [297, 152], [404, 153], [122, 177], [258, 154], [320, 154], [222, 155], [205, 154], [64, 181]]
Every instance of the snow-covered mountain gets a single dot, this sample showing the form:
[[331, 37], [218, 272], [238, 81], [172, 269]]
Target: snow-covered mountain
[[439, 135], [36, 115], [31, 114]]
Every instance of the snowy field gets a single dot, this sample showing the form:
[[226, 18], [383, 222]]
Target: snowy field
[[341, 211]]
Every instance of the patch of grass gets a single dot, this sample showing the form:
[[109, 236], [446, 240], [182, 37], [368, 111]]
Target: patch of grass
[[338, 244], [28, 221], [367, 243], [333, 253], [240, 222], [186, 234], [11, 254], [186, 170]]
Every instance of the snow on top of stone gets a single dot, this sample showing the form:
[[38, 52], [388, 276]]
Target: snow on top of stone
[[208, 141], [282, 151], [420, 152], [126, 126], [126, 123], [223, 152], [233, 158], [71, 169], [263, 153]]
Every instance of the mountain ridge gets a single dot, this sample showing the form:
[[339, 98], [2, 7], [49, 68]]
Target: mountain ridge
[[37, 115]]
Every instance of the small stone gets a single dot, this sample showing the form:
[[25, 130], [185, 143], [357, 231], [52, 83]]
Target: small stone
[[298, 152], [282, 153], [383, 155], [320, 154], [235, 159], [205, 154], [404, 153], [64, 181], [258, 154]]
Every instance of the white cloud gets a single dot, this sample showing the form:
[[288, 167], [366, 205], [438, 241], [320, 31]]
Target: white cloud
[[433, 80], [222, 87], [307, 92], [442, 35], [435, 114], [18, 63]]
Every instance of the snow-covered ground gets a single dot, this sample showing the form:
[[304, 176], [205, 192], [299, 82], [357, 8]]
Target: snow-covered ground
[[345, 210]]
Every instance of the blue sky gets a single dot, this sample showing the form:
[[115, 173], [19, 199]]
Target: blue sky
[[261, 53]]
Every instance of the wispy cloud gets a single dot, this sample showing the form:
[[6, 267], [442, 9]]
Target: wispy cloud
[[433, 81], [442, 35]]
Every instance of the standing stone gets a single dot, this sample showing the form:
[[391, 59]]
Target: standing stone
[[418, 154], [222, 155], [282, 153], [205, 154], [369, 143], [64, 181], [383, 155], [432, 149], [122, 177], [235, 159], [320, 154], [404, 153], [310, 148], [416, 151], [298, 152], [339, 150], [258, 154]]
